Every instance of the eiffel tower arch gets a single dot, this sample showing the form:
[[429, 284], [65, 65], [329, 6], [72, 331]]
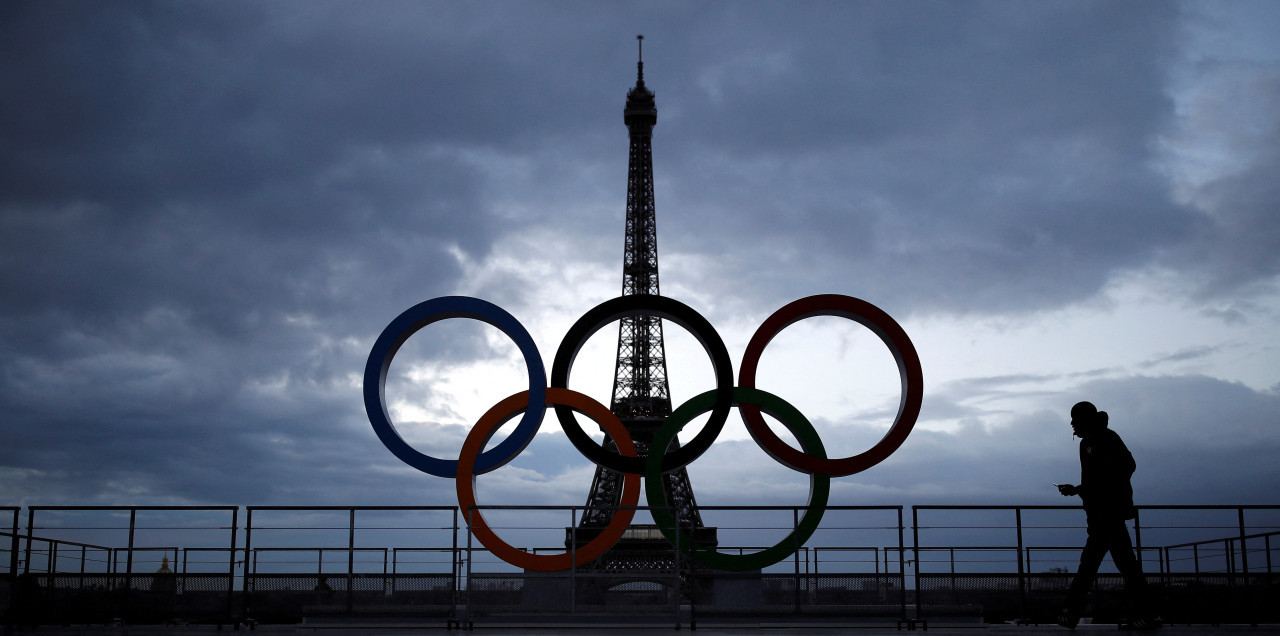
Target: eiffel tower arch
[[641, 397]]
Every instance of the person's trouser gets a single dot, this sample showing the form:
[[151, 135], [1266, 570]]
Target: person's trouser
[[1108, 535]]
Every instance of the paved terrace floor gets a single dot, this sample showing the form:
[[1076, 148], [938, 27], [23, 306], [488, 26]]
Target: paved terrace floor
[[577, 630]]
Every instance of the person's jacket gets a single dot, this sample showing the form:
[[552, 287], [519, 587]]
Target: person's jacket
[[1105, 468]]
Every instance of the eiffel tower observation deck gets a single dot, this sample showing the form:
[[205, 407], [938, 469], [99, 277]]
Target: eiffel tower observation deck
[[641, 396]]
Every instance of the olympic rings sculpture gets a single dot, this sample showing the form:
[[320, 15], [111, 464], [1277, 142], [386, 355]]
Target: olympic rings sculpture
[[532, 403]]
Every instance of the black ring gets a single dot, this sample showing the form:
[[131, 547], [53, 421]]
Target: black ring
[[645, 305]]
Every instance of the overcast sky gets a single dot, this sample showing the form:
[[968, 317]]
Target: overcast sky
[[209, 211]]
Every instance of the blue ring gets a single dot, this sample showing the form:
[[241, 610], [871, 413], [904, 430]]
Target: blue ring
[[408, 323]]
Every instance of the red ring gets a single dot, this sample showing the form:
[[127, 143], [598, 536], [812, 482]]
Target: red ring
[[479, 436], [890, 333]]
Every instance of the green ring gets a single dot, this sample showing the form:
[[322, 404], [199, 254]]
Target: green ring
[[819, 484]]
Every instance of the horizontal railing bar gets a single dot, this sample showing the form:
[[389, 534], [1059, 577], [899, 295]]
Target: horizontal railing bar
[[1221, 539], [127, 508], [65, 542], [639, 508], [356, 508], [258, 527], [1077, 507]]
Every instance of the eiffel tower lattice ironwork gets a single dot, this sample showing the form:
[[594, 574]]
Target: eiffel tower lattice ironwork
[[641, 397]]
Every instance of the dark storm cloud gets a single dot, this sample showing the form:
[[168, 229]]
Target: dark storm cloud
[[964, 157], [134, 102], [184, 156], [198, 215]]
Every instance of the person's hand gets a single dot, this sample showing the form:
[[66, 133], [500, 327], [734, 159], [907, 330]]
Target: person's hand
[[1068, 490]]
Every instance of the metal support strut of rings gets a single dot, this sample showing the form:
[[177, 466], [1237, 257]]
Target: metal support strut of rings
[[531, 405]]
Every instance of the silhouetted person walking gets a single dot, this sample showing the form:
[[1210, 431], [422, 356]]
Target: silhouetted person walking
[[1107, 495]]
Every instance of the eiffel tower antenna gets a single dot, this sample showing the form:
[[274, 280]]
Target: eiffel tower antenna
[[641, 396]]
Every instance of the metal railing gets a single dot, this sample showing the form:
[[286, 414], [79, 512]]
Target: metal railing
[[288, 596], [983, 579], [84, 595], [290, 563], [1229, 552], [801, 587]]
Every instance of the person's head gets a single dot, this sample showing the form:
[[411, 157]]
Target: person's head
[[1085, 419]]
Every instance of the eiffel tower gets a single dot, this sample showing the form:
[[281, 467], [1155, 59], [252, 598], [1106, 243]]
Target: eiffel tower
[[641, 397]]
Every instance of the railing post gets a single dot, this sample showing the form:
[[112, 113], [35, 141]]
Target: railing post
[[915, 549], [951, 552], [902, 565], [231, 565], [676, 559], [31, 520], [1195, 559], [13, 547], [470, 558], [455, 567], [1022, 573], [1137, 536], [84, 553], [128, 567], [573, 560], [1266, 543], [388, 584], [250, 566], [795, 532], [1244, 566], [351, 559], [1244, 549]]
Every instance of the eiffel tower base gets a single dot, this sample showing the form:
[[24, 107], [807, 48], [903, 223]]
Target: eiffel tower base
[[625, 593], [644, 554]]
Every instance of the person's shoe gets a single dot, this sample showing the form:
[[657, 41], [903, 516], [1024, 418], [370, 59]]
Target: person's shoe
[[1068, 618]]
